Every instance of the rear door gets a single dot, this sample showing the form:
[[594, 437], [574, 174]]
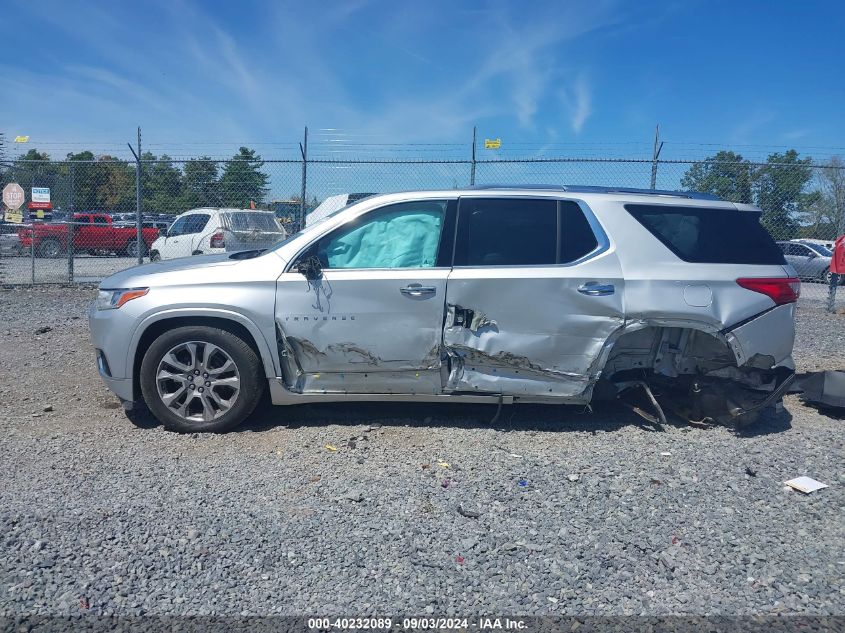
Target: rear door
[[100, 234], [534, 295]]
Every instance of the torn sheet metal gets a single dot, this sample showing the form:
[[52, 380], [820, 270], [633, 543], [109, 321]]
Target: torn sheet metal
[[368, 325], [529, 331], [826, 388], [770, 334]]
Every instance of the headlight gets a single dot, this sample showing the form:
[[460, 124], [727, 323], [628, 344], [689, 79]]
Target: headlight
[[111, 299]]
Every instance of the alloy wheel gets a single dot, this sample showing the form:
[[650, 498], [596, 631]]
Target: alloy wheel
[[198, 381]]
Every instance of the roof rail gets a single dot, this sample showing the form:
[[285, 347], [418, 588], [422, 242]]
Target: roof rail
[[500, 186], [692, 195]]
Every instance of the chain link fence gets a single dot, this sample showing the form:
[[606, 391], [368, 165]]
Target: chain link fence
[[90, 230]]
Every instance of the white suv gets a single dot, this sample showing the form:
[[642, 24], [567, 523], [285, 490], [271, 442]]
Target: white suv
[[480, 295], [212, 230]]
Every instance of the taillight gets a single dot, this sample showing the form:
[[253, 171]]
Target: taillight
[[217, 240], [779, 289]]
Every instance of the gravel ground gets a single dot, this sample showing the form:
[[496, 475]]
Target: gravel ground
[[577, 513]]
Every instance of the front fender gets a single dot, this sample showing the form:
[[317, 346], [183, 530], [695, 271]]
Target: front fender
[[269, 355]]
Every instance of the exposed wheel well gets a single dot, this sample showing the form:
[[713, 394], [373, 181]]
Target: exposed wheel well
[[159, 327]]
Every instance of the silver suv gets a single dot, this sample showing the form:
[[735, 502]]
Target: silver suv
[[490, 294]]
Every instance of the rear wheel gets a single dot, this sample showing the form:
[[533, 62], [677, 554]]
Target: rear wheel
[[50, 248], [201, 379]]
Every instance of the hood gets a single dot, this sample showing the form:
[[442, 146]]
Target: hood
[[132, 277]]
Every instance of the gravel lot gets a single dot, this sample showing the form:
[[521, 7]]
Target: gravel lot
[[578, 513]]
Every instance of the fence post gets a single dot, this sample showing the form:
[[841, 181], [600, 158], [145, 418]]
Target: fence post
[[472, 171], [139, 236], [658, 145], [303, 149], [70, 231], [32, 249]]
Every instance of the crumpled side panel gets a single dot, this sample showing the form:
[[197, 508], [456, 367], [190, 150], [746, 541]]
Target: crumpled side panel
[[527, 336]]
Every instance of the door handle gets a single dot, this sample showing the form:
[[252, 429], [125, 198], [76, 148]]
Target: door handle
[[417, 290], [595, 289]]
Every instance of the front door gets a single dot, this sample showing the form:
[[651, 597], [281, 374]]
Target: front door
[[533, 297], [371, 322]]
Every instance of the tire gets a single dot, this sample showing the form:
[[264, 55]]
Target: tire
[[196, 253], [50, 248], [131, 249], [223, 406], [827, 275], [155, 256]]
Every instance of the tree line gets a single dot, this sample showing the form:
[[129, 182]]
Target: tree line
[[797, 199], [83, 181]]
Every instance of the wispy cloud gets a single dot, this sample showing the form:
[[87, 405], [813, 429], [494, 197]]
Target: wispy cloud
[[796, 135], [578, 101], [746, 129]]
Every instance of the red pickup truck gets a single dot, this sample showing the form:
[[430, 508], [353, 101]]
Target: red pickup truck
[[92, 232]]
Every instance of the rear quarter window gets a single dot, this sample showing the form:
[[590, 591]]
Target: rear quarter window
[[708, 235]]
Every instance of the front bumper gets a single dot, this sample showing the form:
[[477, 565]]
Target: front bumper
[[111, 332]]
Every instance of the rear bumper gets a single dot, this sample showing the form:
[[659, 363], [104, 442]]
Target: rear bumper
[[770, 334]]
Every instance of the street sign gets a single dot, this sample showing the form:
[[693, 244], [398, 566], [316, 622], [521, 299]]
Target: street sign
[[492, 143], [41, 194], [14, 217], [13, 196]]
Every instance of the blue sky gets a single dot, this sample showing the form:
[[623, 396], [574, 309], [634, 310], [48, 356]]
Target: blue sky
[[749, 74]]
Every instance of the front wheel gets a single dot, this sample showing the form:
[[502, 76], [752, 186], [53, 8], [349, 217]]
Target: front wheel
[[132, 248], [155, 256], [201, 379]]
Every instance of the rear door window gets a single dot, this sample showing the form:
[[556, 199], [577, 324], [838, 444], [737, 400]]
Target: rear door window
[[709, 235], [506, 232], [576, 235], [522, 232]]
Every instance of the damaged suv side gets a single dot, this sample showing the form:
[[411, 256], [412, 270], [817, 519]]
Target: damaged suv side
[[490, 294]]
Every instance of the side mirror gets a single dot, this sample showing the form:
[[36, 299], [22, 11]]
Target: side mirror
[[310, 268], [813, 255]]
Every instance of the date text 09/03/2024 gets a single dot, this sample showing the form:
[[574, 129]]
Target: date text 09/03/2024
[[417, 624]]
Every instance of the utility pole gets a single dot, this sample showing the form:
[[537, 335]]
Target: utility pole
[[303, 149], [658, 145], [472, 170], [139, 235]]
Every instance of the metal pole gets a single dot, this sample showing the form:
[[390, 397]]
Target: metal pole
[[32, 229], [658, 145], [140, 235], [70, 249], [303, 149], [472, 171], [32, 249]]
